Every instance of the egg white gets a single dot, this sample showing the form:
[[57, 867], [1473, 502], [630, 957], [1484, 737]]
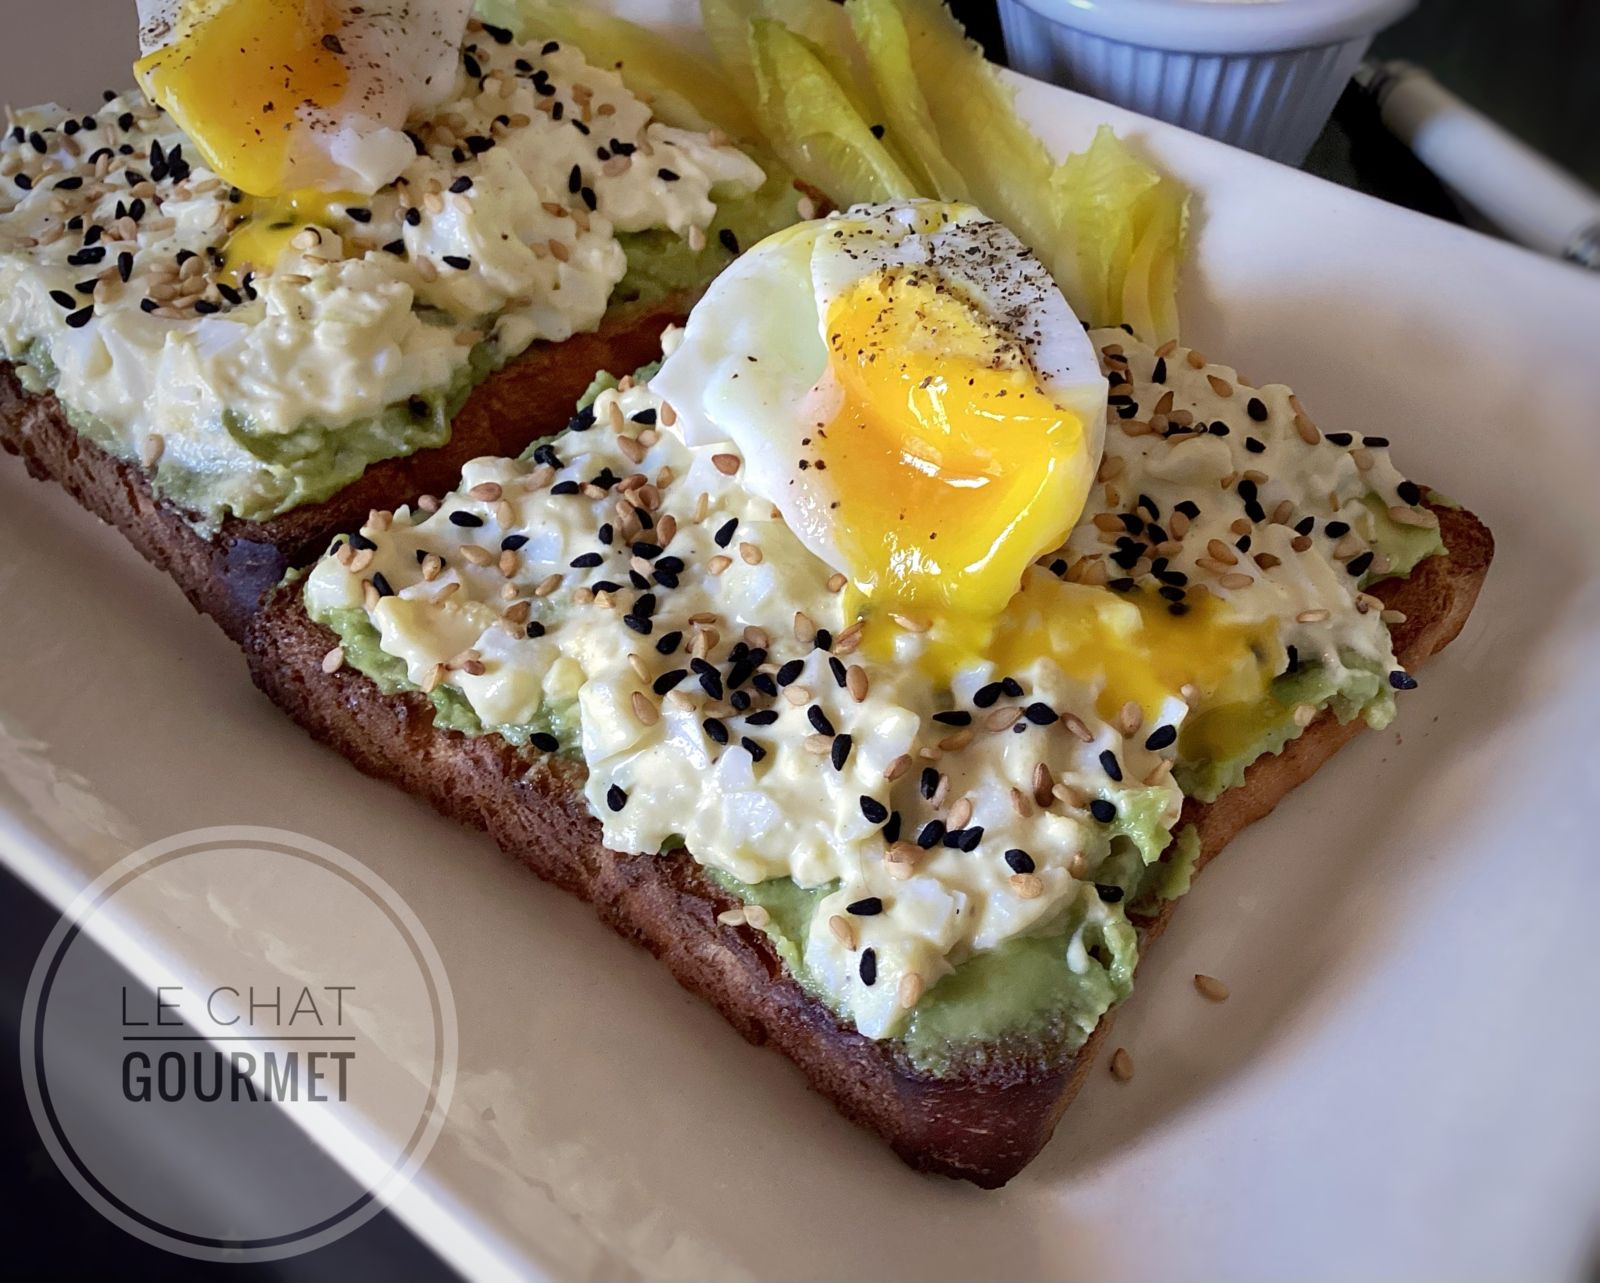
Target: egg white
[[752, 368]]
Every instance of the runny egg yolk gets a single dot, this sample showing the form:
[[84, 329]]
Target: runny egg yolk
[[950, 467], [1134, 648], [235, 76], [952, 471], [269, 225]]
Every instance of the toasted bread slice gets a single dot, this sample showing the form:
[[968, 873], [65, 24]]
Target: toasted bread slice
[[226, 574], [982, 1124]]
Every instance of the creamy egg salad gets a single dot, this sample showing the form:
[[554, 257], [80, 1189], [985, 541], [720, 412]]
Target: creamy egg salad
[[933, 722], [257, 351]]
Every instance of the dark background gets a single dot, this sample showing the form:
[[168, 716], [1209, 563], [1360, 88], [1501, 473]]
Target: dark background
[[1534, 65]]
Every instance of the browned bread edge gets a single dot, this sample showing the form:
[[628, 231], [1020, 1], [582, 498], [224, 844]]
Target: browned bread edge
[[226, 575], [983, 1123]]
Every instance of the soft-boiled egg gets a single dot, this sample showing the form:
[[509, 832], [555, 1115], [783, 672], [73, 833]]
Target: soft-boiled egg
[[909, 388], [300, 96]]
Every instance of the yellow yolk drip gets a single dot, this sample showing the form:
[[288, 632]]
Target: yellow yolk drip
[[1132, 644], [951, 468], [269, 226], [235, 77]]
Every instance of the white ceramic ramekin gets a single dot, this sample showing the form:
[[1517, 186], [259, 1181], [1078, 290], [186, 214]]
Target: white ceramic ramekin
[[1260, 74]]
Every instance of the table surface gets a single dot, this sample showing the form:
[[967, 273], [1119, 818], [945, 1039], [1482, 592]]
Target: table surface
[[1542, 82]]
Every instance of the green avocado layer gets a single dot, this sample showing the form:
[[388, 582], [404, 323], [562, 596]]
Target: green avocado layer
[[1039, 995]]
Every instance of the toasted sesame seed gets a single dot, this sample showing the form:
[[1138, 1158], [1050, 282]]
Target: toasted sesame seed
[[1027, 886], [1121, 1065], [750, 554], [843, 930], [909, 990], [1211, 987], [960, 814], [912, 623], [726, 464], [731, 917], [856, 682], [333, 661]]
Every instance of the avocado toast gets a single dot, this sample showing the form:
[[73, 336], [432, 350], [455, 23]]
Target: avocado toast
[[232, 375], [922, 866]]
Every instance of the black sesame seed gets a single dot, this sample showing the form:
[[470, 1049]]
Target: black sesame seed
[[640, 624], [1402, 681], [382, 585], [77, 320], [1337, 438], [866, 907], [1102, 810], [1376, 443], [932, 834], [471, 520], [585, 560], [790, 672], [544, 741], [668, 680], [62, 299], [1109, 892], [987, 695], [836, 667], [534, 629], [715, 730], [458, 261], [869, 967], [819, 719], [1409, 492], [413, 216], [1336, 529], [766, 717], [1011, 686], [668, 642], [875, 811], [730, 242], [1358, 566], [498, 34], [359, 213], [1254, 446], [1040, 714], [740, 701], [69, 184], [24, 181], [1256, 408], [1019, 860], [1160, 738], [1110, 765], [206, 307], [954, 717], [751, 747], [148, 305], [666, 175], [724, 534], [1188, 508], [588, 197], [645, 417], [839, 754], [616, 799]]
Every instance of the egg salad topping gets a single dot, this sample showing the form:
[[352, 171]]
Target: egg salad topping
[[629, 596], [219, 338]]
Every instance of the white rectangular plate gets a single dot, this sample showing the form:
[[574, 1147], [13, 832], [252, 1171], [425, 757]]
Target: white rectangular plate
[[1407, 1076]]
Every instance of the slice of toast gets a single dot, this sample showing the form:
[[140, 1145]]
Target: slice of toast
[[226, 574], [982, 1124]]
